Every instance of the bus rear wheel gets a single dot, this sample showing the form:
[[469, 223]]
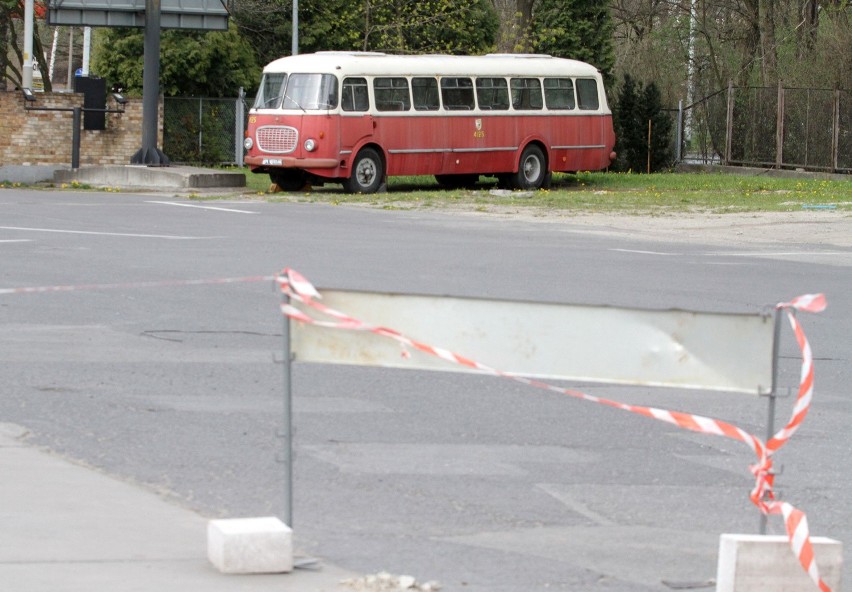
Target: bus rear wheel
[[532, 171], [367, 173], [289, 180]]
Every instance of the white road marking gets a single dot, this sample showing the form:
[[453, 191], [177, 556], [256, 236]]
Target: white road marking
[[173, 203], [778, 254], [723, 254], [166, 236], [17, 240], [643, 252], [556, 490]]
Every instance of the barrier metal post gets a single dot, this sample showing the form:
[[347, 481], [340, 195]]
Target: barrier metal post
[[773, 396], [679, 133], [239, 127], [779, 128], [835, 127], [287, 432], [729, 123], [75, 139]]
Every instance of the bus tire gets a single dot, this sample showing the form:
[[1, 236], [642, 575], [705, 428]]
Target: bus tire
[[367, 173], [289, 180], [532, 169], [457, 181]]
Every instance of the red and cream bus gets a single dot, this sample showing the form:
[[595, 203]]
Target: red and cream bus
[[358, 117]]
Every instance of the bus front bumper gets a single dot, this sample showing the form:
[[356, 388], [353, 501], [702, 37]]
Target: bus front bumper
[[290, 162]]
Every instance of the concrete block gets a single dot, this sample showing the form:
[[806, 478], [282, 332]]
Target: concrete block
[[250, 545], [761, 563]]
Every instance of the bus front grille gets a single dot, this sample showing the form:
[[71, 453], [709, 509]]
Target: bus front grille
[[277, 139]]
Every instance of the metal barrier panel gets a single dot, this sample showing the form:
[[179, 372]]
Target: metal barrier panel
[[675, 348]]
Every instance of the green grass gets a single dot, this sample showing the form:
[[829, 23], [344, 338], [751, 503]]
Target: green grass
[[596, 192]]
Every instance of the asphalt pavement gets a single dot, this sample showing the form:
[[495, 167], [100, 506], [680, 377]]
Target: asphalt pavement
[[171, 399]]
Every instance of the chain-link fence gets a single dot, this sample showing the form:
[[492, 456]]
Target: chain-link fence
[[770, 127], [204, 131], [756, 126]]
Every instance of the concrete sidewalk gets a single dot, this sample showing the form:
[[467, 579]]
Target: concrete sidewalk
[[129, 177], [65, 527]]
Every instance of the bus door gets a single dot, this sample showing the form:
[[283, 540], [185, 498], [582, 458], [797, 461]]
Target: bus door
[[356, 123], [464, 128], [408, 125]]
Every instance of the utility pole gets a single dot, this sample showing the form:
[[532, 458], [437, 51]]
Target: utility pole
[[27, 74], [149, 154], [295, 48]]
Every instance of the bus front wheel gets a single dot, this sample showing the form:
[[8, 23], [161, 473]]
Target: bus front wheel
[[367, 173], [532, 171]]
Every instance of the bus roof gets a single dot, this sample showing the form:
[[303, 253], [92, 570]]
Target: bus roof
[[382, 64]]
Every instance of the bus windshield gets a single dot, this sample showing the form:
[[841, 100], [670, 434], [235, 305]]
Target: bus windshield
[[269, 93], [311, 92]]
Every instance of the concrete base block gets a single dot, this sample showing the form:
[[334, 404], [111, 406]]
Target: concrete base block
[[250, 545], [760, 563]]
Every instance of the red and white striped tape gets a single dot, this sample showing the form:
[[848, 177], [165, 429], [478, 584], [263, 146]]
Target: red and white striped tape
[[295, 287]]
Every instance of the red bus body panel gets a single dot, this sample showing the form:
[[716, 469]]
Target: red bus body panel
[[438, 145]]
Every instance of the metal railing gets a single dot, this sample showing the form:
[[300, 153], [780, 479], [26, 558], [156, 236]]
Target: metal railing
[[775, 127], [204, 131]]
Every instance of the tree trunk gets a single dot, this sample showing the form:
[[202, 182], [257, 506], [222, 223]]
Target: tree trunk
[[703, 23], [515, 19], [808, 29], [768, 45], [38, 56], [751, 42], [4, 48]]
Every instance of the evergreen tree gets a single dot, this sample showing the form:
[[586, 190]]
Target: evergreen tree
[[626, 120], [661, 129], [576, 29], [636, 106]]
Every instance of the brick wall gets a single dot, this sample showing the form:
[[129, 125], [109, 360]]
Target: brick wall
[[44, 137]]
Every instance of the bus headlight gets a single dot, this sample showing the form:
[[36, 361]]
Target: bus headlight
[[310, 144], [248, 143]]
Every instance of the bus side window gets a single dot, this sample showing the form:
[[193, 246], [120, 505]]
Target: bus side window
[[355, 96], [526, 94], [492, 94], [425, 94], [391, 94], [559, 93], [587, 94], [457, 94]]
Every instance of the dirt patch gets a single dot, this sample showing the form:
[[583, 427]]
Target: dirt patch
[[817, 227]]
